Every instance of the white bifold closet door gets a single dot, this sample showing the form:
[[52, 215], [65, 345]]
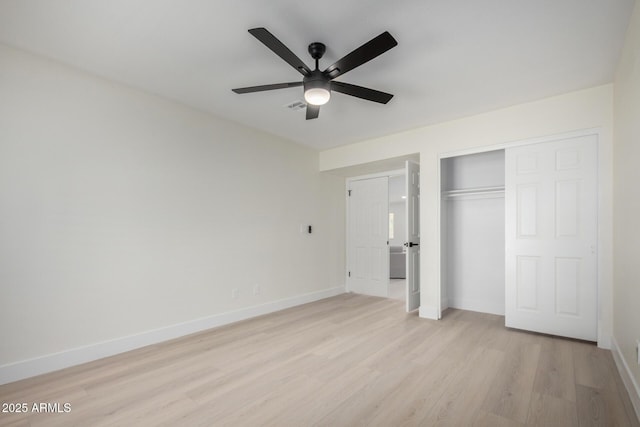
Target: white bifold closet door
[[551, 237]]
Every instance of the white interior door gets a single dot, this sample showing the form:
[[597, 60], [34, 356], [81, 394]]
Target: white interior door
[[551, 237], [412, 245], [369, 236]]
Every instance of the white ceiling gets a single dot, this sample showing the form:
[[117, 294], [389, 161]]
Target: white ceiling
[[454, 58]]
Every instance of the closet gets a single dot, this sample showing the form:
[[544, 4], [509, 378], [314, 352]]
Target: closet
[[473, 232], [519, 235]]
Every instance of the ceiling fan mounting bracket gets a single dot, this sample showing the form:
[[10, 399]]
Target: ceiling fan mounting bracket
[[316, 50]]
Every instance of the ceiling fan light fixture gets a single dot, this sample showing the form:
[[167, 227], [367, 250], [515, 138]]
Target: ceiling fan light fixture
[[317, 96], [316, 89]]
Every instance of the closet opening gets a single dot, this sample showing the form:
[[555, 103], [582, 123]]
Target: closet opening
[[473, 232]]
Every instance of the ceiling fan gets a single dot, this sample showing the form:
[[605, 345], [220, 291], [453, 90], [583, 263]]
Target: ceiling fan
[[318, 85]]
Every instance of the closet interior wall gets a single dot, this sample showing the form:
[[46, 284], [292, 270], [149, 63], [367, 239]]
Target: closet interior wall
[[473, 232]]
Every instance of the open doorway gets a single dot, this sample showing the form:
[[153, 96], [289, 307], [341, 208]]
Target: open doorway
[[383, 235]]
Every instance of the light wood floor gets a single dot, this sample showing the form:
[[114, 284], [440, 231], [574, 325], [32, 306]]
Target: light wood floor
[[348, 360], [397, 289]]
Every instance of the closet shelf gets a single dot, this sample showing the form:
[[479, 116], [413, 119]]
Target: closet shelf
[[472, 192]]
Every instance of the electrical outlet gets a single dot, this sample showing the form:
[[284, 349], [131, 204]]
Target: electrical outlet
[[235, 293], [256, 289]]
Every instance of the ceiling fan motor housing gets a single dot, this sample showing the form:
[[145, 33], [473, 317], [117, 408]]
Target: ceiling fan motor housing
[[317, 88], [316, 80]]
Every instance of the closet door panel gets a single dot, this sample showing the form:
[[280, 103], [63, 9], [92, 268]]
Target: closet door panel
[[567, 196], [527, 210], [527, 282], [551, 236]]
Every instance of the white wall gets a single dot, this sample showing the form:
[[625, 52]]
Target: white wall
[[475, 254], [627, 203], [473, 171], [585, 109], [122, 213]]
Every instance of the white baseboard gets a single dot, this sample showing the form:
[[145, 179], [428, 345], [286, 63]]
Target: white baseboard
[[428, 312], [627, 377], [75, 356]]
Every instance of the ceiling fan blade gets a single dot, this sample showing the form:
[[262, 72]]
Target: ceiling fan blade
[[270, 41], [361, 92], [251, 89], [312, 111], [374, 47]]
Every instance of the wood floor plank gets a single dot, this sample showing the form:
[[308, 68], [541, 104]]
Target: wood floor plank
[[410, 402], [22, 422], [461, 402], [346, 360], [510, 392], [621, 396], [591, 408], [550, 411], [325, 399], [597, 388], [555, 374], [367, 398], [592, 367], [486, 419]]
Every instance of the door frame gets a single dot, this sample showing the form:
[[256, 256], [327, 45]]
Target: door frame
[[412, 264], [348, 182], [604, 285]]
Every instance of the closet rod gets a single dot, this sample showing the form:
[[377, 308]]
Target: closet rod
[[473, 192]]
